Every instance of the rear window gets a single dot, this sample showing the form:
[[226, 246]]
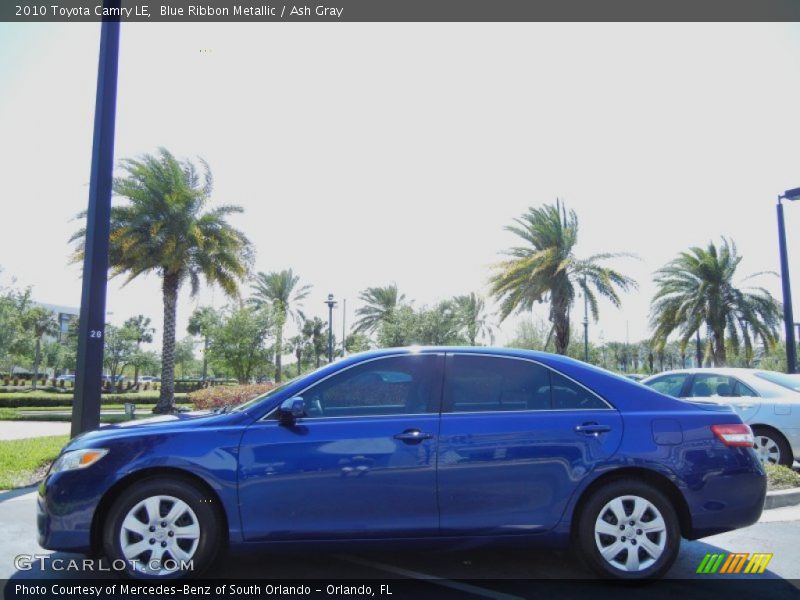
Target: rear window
[[671, 385], [790, 382]]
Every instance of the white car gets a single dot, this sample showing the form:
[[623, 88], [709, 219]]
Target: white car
[[767, 401]]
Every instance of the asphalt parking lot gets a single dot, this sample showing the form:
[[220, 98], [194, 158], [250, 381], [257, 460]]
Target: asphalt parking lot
[[480, 572]]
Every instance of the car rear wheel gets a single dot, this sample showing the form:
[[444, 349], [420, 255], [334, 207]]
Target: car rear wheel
[[158, 527], [771, 447], [628, 530]]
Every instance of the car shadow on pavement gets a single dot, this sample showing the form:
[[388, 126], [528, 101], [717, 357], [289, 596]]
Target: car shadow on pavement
[[16, 492]]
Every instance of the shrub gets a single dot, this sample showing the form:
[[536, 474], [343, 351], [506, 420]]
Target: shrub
[[781, 478], [221, 395]]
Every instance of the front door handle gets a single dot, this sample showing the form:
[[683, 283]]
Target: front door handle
[[413, 436], [592, 428]]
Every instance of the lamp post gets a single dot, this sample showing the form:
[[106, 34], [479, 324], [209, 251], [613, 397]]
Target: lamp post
[[91, 324], [788, 319], [331, 303], [585, 323], [344, 335]]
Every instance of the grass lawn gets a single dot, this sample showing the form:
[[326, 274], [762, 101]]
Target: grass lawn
[[23, 462]]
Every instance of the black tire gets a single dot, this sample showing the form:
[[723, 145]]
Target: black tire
[[786, 456], [629, 535], [202, 547]]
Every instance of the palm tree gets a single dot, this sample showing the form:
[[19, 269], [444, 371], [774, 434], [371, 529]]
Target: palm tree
[[545, 269], [40, 322], [139, 330], [165, 228], [381, 303], [471, 310], [279, 290], [697, 288], [297, 344], [202, 322], [314, 331]]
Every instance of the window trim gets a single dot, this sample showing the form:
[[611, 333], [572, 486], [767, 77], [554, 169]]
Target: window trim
[[448, 410], [270, 415]]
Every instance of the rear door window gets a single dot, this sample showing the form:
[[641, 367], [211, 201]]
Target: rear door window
[[708, 385], [491, 383]]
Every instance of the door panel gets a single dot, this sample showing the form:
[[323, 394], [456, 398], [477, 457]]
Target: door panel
[[352, 471], [513, 470]]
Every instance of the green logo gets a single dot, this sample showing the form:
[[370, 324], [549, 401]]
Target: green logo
[[736, 562]]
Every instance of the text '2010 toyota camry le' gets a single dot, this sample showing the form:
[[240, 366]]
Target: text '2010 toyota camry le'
[[418, 446]]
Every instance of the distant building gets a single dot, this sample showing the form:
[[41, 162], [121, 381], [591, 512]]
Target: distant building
[[64, 314]]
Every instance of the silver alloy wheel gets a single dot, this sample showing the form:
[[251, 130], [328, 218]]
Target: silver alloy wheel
[[157, 529], [768, 450], [630, 533]]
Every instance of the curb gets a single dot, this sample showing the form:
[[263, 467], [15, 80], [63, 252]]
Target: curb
[[780, 498]]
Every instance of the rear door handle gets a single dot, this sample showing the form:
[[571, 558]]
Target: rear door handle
[[592, 428], [413, 436]]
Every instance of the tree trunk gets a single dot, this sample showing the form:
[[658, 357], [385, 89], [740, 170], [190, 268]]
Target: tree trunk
[[166, 400], [205, 358], [718, 348], [699, 351], [559, 316], [278, 352], [37, 357]]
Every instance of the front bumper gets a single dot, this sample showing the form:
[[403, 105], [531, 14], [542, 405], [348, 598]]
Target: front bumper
[[65, 508]]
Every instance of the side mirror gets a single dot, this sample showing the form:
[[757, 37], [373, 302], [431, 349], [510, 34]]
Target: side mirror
[[291, 410]]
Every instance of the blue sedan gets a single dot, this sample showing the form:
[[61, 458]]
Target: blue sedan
[[415, 446]]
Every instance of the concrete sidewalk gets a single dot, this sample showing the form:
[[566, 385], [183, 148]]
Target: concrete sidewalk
[[17, 430]]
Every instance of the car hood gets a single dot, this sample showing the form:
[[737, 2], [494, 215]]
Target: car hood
[[157, 425]]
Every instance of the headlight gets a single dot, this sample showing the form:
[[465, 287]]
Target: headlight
[[78, 459]]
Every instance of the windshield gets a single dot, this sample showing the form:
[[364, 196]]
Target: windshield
[[272, 392], [790, 382]]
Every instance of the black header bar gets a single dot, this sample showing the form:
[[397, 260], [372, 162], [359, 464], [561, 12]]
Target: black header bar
[[146, 11]]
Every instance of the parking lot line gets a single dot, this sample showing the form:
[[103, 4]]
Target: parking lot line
[[449, 583]]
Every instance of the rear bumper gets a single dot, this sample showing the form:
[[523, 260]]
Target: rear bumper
[[729, 499]]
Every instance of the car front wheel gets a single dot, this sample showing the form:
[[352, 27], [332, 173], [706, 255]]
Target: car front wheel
[[162, 528], [628, 530]]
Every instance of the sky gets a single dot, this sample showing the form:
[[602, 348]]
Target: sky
[[366, 154]]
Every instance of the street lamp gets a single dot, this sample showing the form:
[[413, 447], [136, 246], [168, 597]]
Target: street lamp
[[331, 303], [91, 323], [788, 319], [585, 323]]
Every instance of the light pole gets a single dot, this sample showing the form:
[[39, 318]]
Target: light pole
[[91, 324], [331, 303], [788, 319], [585, 323]]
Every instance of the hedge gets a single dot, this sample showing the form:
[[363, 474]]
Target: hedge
[[219, 396], [25, 400]]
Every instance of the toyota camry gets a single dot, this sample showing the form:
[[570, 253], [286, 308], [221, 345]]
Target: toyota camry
[[425, 446]]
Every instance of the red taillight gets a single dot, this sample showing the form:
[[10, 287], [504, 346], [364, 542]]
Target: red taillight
[[737, 434]]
